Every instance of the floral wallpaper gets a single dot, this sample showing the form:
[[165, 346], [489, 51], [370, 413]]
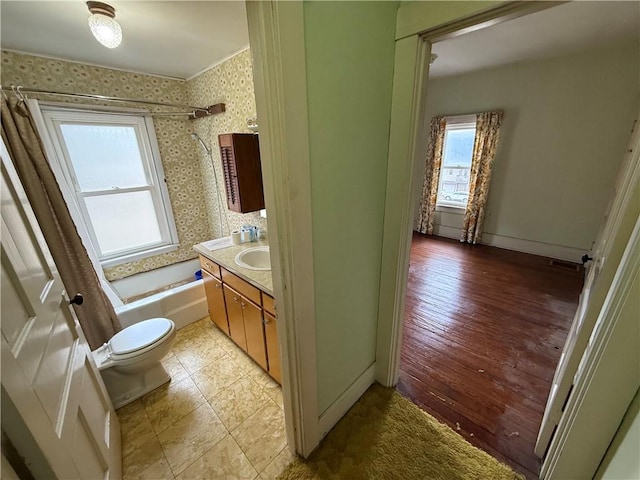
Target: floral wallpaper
[[180, 157], [230, 83], [188, 170]]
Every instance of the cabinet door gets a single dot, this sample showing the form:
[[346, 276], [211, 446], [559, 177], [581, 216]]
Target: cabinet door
[[254, 332], [234, 316], [273, 351], [215, 301]]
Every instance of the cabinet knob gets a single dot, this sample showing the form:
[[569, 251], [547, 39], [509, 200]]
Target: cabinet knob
[[243, 304], [235, 299], [266, 321], [217, 285]]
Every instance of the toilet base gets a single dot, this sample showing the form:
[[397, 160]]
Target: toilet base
[[124, 388]]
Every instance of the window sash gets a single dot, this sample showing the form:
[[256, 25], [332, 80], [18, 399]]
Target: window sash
[[149, 155]]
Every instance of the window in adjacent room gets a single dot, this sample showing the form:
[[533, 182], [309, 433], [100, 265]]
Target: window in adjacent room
[[453, 185], [111, 164]]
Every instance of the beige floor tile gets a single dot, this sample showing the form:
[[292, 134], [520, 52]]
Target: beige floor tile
[[224, 461], [192, 332], [238, 402], [145, 455], [135, 430], [202, 351], [174, 368], [277, 466], [171, 402], [189, 438], [262, 436], [217, 376], [157, 471], [274, 391]]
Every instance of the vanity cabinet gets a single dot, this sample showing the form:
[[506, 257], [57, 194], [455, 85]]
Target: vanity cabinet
[[240, 155], [244, 313]]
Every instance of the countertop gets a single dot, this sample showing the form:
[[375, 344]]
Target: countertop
[[225, 257]]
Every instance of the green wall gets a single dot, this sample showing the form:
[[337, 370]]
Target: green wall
[[349, 49]]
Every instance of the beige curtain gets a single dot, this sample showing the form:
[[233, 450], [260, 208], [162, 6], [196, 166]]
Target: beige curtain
[[484, 154], [433, 161], [96, 315]]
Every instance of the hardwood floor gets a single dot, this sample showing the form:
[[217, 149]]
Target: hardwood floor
[[483, 333]]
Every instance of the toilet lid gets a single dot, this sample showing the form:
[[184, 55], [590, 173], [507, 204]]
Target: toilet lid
[[139, 335]]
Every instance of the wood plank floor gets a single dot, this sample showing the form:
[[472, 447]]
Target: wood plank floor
[[483, 333]]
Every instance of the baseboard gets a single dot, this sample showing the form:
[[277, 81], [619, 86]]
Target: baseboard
[[336, 411], [559, 252]]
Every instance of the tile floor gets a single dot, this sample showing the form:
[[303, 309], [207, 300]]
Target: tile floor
[[220, 416]]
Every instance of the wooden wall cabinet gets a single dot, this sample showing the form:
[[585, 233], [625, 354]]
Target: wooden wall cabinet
[[240, 154], [244, 313]]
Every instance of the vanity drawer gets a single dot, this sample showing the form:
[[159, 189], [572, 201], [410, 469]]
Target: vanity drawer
[[210, 267], [268, 304], [240, 286]]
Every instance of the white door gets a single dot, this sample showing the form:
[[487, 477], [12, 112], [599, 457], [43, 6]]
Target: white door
[[593, 294], [47, 370]]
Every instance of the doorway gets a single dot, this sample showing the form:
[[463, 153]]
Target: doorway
[[445, 261]]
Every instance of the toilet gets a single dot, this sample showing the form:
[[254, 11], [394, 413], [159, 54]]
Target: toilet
[[130, 362]]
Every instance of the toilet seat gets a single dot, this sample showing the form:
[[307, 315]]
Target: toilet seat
[[139, 338]]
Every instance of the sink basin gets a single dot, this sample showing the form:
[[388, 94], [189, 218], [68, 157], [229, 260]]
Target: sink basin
[[254, 258]]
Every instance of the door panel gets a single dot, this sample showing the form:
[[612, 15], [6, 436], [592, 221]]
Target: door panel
[[273, 351], [47, 370], [234, 314], [253, 329], [215, 301]]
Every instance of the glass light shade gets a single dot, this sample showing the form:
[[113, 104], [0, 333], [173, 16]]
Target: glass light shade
[[106, 30]]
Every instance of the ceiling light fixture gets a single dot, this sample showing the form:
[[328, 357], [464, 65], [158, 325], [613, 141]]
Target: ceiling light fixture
[[103, 25]]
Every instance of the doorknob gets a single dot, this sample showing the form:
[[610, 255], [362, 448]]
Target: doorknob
[[77, 299], [586, 258]]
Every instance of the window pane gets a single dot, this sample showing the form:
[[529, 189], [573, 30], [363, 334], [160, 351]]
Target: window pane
[[123, 221], [104, 156], [459, 147], [453, 187]]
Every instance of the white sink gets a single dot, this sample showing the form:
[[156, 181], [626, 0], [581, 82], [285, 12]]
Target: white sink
[[254, 258]]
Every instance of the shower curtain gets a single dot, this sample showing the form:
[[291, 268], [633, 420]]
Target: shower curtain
[[96, 315]]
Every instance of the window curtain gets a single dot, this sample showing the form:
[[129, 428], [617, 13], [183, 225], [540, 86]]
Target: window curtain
[[96, 315], [433, 162], [484, 154]]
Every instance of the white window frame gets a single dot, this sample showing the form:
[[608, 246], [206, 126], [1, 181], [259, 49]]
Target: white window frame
[[460, 122], [54, 115]]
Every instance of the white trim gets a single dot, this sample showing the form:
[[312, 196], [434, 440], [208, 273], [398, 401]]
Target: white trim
[[614, 336], [405, 171], [276, 33], [21, 52], [344, 402], [559, 252], [219, 62]]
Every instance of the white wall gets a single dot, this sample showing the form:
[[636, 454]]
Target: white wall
[[622, 460], [566, 125]]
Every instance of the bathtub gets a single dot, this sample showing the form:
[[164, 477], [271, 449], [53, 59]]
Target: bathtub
[[184, 304]]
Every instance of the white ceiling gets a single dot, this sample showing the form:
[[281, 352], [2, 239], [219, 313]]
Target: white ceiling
[[182, 38], [554, 32], [172, 38]]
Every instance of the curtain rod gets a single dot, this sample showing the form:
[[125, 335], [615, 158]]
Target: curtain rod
[[198, 112]]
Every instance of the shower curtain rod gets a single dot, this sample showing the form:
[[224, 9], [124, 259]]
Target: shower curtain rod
[[198, 112]]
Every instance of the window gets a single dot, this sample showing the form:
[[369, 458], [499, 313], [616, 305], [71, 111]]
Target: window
[[453, 185], [110, 163]]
